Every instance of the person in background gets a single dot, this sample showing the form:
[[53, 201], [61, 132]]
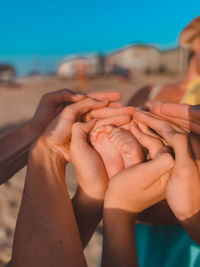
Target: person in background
[[186, 91]]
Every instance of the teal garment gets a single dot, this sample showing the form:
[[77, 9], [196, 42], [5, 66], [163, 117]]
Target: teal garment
[[165, 246]]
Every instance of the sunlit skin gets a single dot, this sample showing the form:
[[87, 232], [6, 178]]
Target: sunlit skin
[[47, 160], [130, 192], [182, 191], [15, 146], [117, 147]]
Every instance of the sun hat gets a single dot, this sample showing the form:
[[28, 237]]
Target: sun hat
[[190, 33]]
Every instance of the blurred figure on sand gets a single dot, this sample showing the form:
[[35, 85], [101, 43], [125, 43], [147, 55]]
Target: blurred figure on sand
[[81, 72]]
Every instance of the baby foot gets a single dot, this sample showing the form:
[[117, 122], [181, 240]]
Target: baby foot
[[117, 147]]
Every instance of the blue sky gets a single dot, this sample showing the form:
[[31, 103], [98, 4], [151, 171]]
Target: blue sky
[[36, 34]]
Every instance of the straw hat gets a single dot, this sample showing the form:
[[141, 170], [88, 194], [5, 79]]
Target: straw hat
[[190, 33]]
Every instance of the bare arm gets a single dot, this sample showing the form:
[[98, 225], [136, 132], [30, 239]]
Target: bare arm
[[119, 238], [46, 232], [15, 146], [14, 151]]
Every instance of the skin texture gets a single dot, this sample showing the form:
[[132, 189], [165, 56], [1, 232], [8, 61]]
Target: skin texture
[[185, 116], [182, 191], [129, 192], [46, 203], [88, 200], [15, 146], [118, 148]]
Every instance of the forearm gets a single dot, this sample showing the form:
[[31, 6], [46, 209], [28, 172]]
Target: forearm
[[46, 226], [88, 213], [15, 147], [119, 247]]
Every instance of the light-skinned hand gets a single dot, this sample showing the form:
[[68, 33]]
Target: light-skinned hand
[[183, 188]]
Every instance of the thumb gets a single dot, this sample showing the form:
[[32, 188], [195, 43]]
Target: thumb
[[80, 131], [179, 142]]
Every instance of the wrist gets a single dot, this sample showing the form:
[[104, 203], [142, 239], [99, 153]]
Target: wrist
[[93, 188], [113, 202], [34, 128], [41, 150], [81, 199]]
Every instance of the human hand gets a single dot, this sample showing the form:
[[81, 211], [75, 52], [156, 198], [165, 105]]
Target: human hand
[[182, 191], [58, 133], [53, 103], [49, 107], [136, 188], [186, 116], [91, 173]]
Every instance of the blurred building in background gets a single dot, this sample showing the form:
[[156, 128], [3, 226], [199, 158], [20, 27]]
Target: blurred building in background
[[127, 60], [174, 60], [136, 57], [148, 59], [7, 74], [90, 65]]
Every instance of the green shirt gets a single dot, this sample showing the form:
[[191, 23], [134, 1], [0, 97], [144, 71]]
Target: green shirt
[[165, 246]]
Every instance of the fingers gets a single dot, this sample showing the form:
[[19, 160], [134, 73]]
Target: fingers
[[111, 96], [146, 130], [180, 111], [115, 105], [151, 143], [72, 112], [152, 170], [183, 115], [80, 131], [154, 122], [157, 190], [179, 142], [62, 96], [116, 121], [146, 118], [111, 111]]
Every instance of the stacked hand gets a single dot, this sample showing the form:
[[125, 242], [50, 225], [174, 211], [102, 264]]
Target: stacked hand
[[182, 191]]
